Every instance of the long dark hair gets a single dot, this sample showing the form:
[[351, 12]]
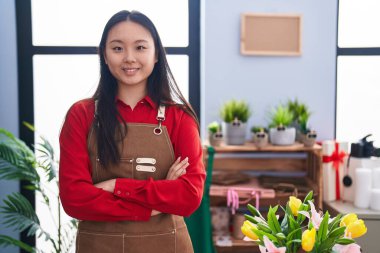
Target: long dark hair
[[162, 89]]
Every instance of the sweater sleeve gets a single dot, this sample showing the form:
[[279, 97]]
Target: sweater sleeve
[[80, 198], [181, 196]]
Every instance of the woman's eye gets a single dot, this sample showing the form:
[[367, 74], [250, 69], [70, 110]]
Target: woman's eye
[[141, 47], [117, 49]]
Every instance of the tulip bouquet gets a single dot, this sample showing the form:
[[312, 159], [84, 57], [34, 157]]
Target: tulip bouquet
[[303, 229]]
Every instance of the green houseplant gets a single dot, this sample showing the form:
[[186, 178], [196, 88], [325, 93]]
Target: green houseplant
[[215, 134], [18, 162], [281, 132], [235, 115], [301, 115]]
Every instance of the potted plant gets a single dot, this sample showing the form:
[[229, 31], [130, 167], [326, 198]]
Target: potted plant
[[259, 136], [215, 134], [235, 115], [301, 115], [280, 132], [19, 162]]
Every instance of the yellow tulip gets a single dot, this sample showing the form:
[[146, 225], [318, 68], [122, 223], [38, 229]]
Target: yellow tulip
[[308, 239], [247, 230], [294, 205], [354, 227], [348, 218]]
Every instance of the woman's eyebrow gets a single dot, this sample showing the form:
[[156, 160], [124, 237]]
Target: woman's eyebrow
[[116, 40]]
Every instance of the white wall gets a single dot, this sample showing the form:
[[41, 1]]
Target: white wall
[[8, 92], [266, 81]]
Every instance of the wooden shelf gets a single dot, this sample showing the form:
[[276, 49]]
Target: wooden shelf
[[293, 159], [251, 147]]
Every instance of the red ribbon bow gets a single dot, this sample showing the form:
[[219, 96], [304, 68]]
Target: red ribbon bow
[[337, 158]]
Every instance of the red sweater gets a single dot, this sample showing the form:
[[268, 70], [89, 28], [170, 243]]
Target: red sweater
[[82, 200]]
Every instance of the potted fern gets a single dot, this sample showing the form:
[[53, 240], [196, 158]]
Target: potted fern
[[280, 132], [235, 115], [215, 134], [18, 162], [259, 136], [301, 115]]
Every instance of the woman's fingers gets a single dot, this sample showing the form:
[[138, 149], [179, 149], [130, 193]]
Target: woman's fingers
[[178, 168]]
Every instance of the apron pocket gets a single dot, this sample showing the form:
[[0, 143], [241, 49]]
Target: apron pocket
[[158, 242], [90, 242]]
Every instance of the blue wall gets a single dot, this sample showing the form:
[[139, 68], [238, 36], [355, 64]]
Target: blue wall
[[8, 92], [266, 81]]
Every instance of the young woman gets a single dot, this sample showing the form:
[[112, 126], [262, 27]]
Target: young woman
[[131, 160]]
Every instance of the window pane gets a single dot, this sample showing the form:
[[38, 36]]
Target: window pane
[[359, 23], [358, 97], [59, 81], [80, 23], [179, 65]]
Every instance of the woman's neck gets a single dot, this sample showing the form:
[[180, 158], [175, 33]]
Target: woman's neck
[[131, 95]]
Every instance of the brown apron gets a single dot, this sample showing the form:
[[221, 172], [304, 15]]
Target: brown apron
[[146, 151]]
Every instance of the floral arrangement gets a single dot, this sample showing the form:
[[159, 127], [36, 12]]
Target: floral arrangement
[[303, 229]]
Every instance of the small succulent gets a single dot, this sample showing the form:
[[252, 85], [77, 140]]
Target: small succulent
[[235, 110], [213, 127], [258, 129], [281, 116]]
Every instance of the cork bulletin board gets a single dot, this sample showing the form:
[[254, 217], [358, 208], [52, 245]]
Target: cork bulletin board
[[270, 34]]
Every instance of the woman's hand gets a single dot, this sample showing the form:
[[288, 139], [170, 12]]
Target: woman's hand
[[178, 168], [108, 185]]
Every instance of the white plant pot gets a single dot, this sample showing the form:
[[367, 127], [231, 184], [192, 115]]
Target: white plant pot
[[234, 134], [282, 137]]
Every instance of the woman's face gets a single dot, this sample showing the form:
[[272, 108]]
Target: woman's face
[[130, 53]]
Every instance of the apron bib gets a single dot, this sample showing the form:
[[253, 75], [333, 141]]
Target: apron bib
[[146, 151]]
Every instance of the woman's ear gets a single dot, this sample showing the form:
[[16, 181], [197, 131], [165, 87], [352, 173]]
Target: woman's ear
[[105, 58]]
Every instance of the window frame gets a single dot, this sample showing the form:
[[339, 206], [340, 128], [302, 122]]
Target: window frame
[[348, 51], [26, 50]]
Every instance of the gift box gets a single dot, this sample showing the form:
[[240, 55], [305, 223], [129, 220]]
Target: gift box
[[355, 163], [335, 155]]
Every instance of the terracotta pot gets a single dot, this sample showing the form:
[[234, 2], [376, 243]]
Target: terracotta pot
[[215, 139], [260, 139]]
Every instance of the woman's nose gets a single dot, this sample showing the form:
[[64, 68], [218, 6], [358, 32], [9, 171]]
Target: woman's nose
[[129, 57]]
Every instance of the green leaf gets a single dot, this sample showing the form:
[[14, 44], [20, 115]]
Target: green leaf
[[322, 231], [335, 222], [254, 211], [292, 234], [344, 241], [264, 227], [250, 218], [293, 241], [17, 160], [272, 220], [337, 232], [261, 234], [6, 241], [19, 214], [281, 236], [301, 218], [308, 197]]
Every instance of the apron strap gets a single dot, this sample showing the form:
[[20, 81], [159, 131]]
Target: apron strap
[[160, 117]]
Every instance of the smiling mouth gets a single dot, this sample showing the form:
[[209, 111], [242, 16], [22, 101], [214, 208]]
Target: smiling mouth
[[130, 70]]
